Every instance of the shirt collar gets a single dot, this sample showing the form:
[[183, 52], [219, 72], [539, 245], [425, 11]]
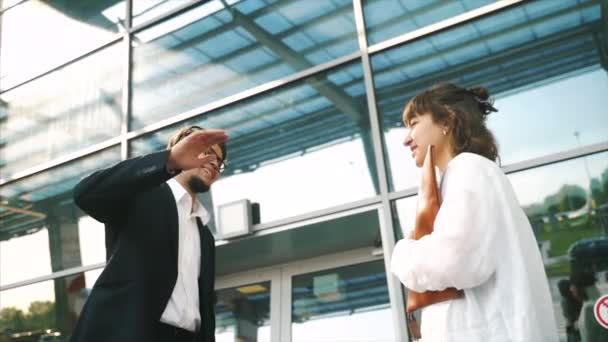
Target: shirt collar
[[180, 194]]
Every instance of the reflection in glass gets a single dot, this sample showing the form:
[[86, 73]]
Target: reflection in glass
[[62, 31], [243, 313], [212, 51], [300, 148], [390, 18], [565, 202], [144, 10], [550, 118], [535, 57], [40, 225], [45, 311], [342, 304], [70, 109], [567, 205]]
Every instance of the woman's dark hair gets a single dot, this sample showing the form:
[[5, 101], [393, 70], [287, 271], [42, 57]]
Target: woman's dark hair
[[463, 111]]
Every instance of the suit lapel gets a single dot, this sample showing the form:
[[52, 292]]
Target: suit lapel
[[173, 222], [202, 230]]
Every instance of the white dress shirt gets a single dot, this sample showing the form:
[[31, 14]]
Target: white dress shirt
[[183, 307], [482, 243]]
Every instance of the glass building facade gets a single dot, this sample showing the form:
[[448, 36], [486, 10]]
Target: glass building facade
[[311, 93]]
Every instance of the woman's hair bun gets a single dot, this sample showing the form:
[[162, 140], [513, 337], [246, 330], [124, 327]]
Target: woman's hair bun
[[482, 96]]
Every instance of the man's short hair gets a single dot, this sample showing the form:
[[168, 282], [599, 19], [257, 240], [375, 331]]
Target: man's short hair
[[186, 131]]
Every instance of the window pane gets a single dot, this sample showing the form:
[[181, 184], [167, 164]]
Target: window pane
[[39, 35], [211, 52], [67, 110], [567, 204], [300, 148], [45, 311], [390, 18], [42, 228], [539, 59], [404, 216], [552, 117], [243, 313], [144, 10], [342, 304]]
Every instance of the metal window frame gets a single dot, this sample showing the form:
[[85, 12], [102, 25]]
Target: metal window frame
[[348, 209], [445, 24], [387, 235], [272, 275], [60, 274], [268, 86]]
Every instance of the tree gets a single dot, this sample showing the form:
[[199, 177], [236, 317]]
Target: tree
[[40, 316], [12, 318]]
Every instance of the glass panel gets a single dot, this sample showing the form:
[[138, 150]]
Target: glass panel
[[553, 117], [144, 10], [42, 228], [243, 313], [567, 204], [404, 216], [211, 52], [57, 30], [300, 148], [45, 311], [390, 18], [67, 110], [540, 61], [342, 304]]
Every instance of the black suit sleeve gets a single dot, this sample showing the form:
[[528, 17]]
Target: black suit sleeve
[[107, 194]]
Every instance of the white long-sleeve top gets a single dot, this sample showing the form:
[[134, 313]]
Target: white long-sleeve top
[[482, 243]]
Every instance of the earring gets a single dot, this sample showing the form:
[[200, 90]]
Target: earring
[[445, 132]]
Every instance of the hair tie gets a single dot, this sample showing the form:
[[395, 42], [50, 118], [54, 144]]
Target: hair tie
[[486, 105]]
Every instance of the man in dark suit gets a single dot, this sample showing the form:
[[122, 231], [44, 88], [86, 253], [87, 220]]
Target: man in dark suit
[[158, 283]]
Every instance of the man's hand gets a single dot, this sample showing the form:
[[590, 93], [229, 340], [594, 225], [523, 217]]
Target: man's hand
[[188, 153]]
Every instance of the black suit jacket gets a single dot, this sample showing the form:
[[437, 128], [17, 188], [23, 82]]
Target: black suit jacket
[[141, 225]]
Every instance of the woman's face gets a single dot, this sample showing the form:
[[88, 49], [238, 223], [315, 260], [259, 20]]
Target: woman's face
[[422, 132]]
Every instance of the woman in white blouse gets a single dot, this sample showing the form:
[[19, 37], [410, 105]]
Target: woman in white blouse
[[482, 241]]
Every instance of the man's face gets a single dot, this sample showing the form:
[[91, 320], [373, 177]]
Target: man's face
[[200, 179]]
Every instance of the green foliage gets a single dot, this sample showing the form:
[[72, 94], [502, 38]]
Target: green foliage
[[40, 316], [566, 234], [12, 318], [561, 269]]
